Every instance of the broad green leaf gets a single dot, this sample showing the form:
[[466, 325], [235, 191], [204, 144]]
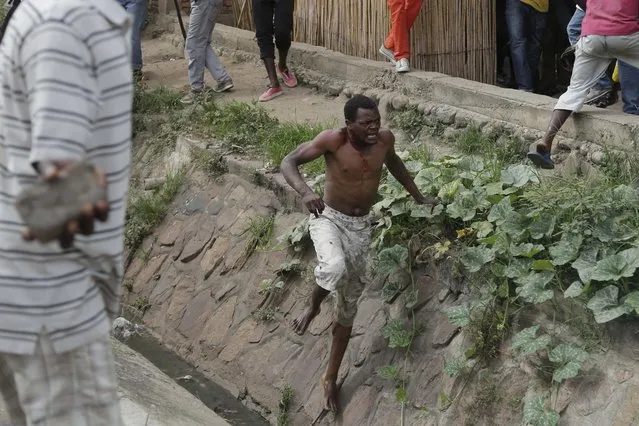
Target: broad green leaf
[[494, 188], [501, 244], [536, 415], [414, 166], [605, 230], [457, 211], [526, 341], [585, 264], [382, 205], [471, 164], [398, 208], [566, 249], [500, 211], [613, 268], [526, 250], [426, 211], [632, 299], [519, 175], [542, 265], [631, 255], [604, 304], [473, 258], [568, 359], [448, 190], [518, 268], [458, 315], [575, 289], [625, 194], [426, 179], [483, 228], [542, 227], [392, 259], [532, 287], [516, 225], [465, 204]]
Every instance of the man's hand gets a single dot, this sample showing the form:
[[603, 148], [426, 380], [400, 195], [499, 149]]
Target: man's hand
[[84, 222], [427, 200], [313, 203]]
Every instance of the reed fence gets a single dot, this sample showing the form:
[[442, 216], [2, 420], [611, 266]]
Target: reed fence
[[454, 37]]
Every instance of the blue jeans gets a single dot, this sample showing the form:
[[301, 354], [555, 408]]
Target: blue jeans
[[574, 32], [629, 79], [137, 8], [525, 30]]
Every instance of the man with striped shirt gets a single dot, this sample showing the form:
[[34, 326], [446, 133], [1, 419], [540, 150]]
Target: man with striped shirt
[[66, 96]]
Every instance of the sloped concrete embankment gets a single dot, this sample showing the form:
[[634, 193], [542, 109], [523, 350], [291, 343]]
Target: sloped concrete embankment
[[202, 291], [199, 282]]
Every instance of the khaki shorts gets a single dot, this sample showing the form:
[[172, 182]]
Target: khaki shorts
[[342, 246]]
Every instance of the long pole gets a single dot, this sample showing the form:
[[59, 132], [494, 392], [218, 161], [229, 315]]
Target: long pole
[[179, 16]]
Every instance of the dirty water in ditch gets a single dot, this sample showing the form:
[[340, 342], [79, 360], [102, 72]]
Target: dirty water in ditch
[[211, 394]]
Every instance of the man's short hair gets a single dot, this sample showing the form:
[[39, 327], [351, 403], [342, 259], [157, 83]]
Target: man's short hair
[[355, 103]]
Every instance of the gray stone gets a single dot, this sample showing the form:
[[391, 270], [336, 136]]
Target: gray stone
[[148, 273], [195, 205], [217, 325], [348, 92], [196, 313], [227, 218], [214, 207], [195, 246], [444, 332], [443, 294], [461, 121], [170, 234], [597, 157], [334, 89], [219, 295], [239, 340], [214, 256], [399, 102], [238, 194], [445, 115], [451, 133], [257, 334], [154, 183]]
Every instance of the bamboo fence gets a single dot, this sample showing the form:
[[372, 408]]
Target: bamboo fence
[[454, 37]]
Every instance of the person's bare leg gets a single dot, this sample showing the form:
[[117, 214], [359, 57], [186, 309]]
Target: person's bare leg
[[301, 323], [341, 337], [557, 120], [269, 63]]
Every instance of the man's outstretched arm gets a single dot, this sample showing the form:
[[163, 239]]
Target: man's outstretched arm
[[305, 153], [397, 168]]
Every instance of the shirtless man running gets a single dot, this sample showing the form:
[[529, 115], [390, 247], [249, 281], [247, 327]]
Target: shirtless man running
[[340, 225]]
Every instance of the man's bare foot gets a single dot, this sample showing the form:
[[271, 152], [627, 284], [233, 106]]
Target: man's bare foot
[[330, 394], [301, 323]]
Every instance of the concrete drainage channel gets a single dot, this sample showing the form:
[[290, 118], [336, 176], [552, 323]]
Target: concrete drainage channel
[[212, 395]]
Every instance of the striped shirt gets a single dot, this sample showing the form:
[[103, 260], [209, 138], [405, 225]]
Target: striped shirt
[[67, 92]]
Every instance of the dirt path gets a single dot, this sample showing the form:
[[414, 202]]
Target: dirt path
[[164, 67]]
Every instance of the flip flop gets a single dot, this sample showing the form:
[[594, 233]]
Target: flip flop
[[541, 160]]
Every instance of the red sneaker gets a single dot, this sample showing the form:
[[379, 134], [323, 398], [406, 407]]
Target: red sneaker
[[287, 75], [271, 93]]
